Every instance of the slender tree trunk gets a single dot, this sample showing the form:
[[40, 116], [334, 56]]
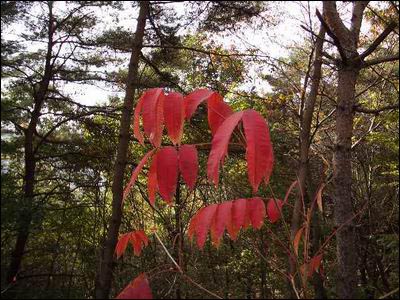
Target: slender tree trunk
[[26, 203], [104, 274], [305, 138]]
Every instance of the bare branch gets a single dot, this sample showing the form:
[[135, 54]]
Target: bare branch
[[378, 40], [379, 60], [375, 111]]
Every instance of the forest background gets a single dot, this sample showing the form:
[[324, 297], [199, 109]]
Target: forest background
[[324, 75]]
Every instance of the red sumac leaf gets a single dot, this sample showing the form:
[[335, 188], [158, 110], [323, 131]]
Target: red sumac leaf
[[136, 243], [122, 244], [143, 237], [204, 224], [274, 207], [230, 215], [138, 289], [174, 115], [153, 119], [218, 111], [219, 146], [150, 100], [194, 99], [222, 220], [314, 265], [259, 154], [188, 164], [167, 172], [135, 174], [239, 212], [256, 211], [138, 240], [201, 224]]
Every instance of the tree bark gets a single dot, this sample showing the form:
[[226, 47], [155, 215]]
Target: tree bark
[[345, 237], [104, 274], [26, 203], [348, 69]]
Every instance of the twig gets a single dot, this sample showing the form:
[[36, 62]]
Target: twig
[[388, 294], [181, 271]]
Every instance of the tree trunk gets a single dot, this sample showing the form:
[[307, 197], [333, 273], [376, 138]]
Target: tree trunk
[[104, 274], [305, 139], [345, 237], [346, 40], [26, 203]]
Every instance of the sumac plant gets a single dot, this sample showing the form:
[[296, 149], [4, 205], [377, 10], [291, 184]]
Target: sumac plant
[[157, 110]]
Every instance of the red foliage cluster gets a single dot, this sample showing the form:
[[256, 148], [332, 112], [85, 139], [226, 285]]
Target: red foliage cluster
[[138, 240], [156, 110]]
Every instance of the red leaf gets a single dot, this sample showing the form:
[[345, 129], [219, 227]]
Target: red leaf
[[256, 211], [193, 224], [231, 215], [174, 115], [274, 207], [315, 263], [219, 146], [138, 240], [152, 185], [218, 111], [259, 153], [194, 99], [167, 172], [136, 118], [138, 289], [153, 104], [239, 212], [222, 219], [201, 224], [188, 164], [312, 266], [135, 174], [122, 244], [143, 237]]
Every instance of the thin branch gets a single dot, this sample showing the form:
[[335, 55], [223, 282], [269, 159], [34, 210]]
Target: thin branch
[[378, 40], [375, 111], [379, 60], [169, 255], [181, 271]]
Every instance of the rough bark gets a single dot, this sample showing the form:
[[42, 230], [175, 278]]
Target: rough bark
[[104, 274], [27, 201], [343, 206], [348, 70]]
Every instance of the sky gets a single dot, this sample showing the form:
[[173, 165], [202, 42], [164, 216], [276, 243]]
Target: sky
[[273, 41]]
